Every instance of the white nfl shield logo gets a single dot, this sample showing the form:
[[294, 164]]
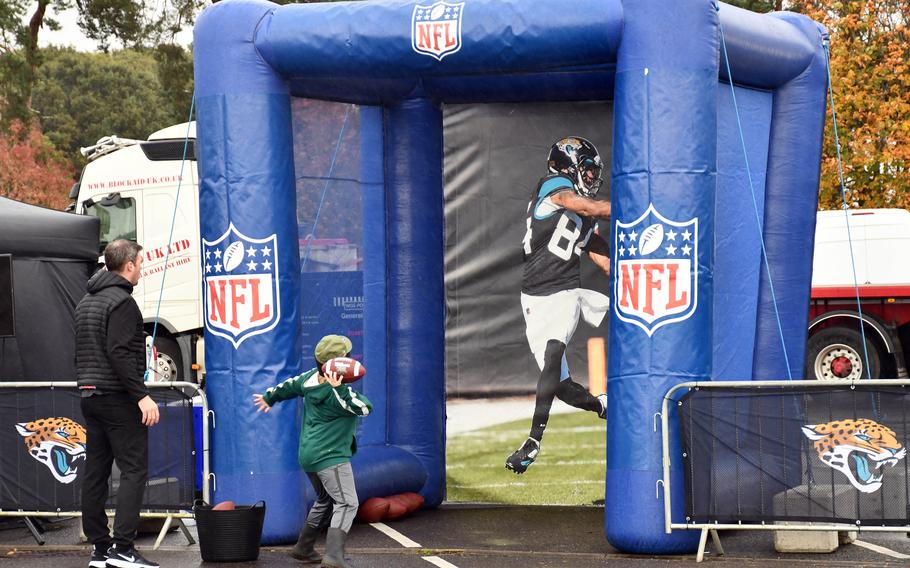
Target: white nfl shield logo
[[240, 285], [655, 270], [436, 29]]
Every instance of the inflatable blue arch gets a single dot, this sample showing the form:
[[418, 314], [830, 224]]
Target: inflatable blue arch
[[677, 158]]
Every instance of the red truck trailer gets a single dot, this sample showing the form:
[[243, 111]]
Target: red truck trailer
[[881, 254]]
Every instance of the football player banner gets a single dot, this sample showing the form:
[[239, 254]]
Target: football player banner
[[43, 443], [496, 157], [849, 444]]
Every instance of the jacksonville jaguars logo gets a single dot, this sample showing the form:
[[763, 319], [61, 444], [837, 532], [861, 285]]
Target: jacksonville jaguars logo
[[58, 443], [857, 448]]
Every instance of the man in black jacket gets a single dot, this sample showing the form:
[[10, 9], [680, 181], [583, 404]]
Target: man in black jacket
[[110, 367]]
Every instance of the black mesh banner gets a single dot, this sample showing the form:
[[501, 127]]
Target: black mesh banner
[[7, 320], [828, 454], [42, 451]]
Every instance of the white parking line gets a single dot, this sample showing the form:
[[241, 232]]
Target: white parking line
[[880, 549], [408, 543], [395, 535], [527, 484], [437, 561]]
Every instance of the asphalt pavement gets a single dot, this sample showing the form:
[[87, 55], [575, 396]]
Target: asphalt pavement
[[465, 535]]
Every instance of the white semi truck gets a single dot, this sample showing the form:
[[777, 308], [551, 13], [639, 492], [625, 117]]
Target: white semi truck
[[132, 187]]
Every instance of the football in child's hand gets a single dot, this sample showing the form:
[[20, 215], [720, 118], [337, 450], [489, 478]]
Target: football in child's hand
[[225, 506], [350, 369], [373, 510]]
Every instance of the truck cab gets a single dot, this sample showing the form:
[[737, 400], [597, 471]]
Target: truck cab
[[135, 188], [881, 256]]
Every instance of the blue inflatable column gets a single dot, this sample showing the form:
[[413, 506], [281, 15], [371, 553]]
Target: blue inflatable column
[[791, 202], [244, 195], [664, 170], [375, 318], [416, 297]]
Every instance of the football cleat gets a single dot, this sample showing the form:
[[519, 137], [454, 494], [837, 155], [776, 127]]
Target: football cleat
[[577, 158], [602, 399], [523, 456]]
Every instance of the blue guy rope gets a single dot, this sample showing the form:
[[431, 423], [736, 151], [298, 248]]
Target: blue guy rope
[[328, 178], [186, 142], [843, 195], [758, 224]]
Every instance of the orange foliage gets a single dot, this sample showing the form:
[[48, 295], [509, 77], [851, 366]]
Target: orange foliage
[[32, 170], [870, 67]]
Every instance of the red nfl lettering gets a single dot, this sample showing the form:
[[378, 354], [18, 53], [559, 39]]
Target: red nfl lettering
[[220, 309], [675, 299], [630, 285], [236, 300], [655, 276], [260, 312], [436, 37], [216, 301]]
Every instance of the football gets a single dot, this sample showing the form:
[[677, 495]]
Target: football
[[373, 510], [651, 238], [413, 501], [233, 256], [225, 506], [350, 369], [397, 508]]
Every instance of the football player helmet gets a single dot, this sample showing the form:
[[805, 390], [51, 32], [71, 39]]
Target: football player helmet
[[579, 159]]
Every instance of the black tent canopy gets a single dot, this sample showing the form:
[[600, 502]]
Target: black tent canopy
[[52, 255]]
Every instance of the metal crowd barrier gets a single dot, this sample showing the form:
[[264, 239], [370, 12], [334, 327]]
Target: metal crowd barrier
[[43, 450], [777, 455]]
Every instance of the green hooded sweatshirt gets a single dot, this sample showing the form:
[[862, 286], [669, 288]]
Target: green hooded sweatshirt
[[329, 419]]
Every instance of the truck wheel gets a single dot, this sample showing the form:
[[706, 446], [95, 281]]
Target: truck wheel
[[836, 353], [169, 365]]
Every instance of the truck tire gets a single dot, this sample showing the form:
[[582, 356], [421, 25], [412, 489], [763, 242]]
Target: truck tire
[[169, 365], [836, 353]]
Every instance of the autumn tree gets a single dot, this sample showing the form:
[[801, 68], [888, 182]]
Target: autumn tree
[[757, 5], [870, 66], [31, 170]]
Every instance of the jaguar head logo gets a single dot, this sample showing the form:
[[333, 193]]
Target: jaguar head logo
[[859, 449], [58, 443]]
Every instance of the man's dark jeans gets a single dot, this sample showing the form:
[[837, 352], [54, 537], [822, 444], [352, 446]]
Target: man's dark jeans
[[115, 432]]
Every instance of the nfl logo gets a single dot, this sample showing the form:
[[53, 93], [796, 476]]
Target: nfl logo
[[656, 270], [436, 29], [241, 285]]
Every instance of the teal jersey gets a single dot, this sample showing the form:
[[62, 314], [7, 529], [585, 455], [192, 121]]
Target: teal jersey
[[554, 240]]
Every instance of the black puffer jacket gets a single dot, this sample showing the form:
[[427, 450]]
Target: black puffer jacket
[[110, 340]]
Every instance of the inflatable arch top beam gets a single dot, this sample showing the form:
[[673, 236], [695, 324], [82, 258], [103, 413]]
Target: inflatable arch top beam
[[660, 64]]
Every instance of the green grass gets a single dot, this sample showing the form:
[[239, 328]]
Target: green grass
[[569, 470]]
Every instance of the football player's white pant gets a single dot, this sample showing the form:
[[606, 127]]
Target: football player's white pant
[[556, 316]]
